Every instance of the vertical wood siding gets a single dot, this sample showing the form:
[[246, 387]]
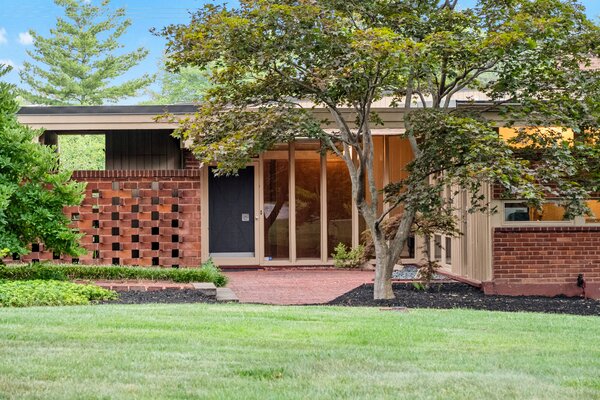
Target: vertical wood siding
[[142, 150]]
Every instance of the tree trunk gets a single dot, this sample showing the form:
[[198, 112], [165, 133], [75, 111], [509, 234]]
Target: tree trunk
[[382, 289], [384, 266]]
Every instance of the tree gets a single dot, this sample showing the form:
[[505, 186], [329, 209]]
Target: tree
[[187, 85], [32, 191], [77, 63], [82, 152], [339, 53]]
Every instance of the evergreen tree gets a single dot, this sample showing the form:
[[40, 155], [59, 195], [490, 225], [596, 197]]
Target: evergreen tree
[[32, 191], [76, 64]]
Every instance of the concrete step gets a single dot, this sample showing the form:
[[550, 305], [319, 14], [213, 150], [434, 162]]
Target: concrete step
[[206, 288], [226, 295]]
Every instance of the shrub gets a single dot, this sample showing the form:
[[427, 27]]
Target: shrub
[[345, 257], [50, 293], [34, 271], [213, 273], [425, 274], [208, 272]]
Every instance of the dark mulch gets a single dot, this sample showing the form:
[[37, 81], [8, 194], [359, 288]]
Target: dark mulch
[[460, 295], [162, 296]]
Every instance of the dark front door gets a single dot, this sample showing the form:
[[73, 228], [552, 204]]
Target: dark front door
[[231, 214]]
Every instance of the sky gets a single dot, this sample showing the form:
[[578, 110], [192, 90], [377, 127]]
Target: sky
[[17, 17]]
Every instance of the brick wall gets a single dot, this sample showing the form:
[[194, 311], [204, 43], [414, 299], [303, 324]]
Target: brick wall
[[189, 160], [146, 217], [546, 260]]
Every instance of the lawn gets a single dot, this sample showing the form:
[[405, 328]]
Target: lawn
[[262, 352]]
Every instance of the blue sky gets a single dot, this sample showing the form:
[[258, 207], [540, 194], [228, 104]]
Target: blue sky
[[17, 17]]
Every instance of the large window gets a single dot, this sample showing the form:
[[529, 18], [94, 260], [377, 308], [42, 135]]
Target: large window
[[594, 206], [555, 132], [276, 206], [308, 199], [339, 203], [516, 211]]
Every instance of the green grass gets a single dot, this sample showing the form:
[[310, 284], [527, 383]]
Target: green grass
[[265, 352]]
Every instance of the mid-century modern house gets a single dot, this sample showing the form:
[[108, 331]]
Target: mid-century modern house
[[154, 204]]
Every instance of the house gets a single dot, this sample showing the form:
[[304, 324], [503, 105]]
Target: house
[[154, 204]]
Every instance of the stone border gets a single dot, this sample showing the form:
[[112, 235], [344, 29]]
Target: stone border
[[208, 289]]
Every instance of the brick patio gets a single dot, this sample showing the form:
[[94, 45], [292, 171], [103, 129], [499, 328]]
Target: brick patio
[[294, 286]]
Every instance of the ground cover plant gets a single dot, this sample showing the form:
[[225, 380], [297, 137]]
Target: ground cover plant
[[50, 293], [266, 352], [208, 272]]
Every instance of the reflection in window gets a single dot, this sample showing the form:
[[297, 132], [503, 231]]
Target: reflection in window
[[308, 200], [339, 203], [556, 132], [522, 212], [594, 206], [276, 209], [437, 250]]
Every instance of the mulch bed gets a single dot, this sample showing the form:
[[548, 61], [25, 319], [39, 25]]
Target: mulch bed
[[460, 295], [162, 296]]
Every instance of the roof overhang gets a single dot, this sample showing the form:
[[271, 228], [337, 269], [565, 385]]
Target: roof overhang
[[100, 118], [97, 119]]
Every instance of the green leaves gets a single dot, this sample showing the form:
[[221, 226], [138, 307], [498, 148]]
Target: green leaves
[[233, 136], [51, 293], [32, 192]]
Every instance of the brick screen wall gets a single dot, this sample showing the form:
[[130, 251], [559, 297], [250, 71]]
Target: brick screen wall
[[546, 260], [136, 218], [145, 217]]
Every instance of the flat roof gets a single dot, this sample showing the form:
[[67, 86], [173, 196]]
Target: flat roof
[[109, 110], [143, 117]]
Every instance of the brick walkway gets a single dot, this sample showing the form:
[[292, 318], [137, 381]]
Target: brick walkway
[[294, 286]]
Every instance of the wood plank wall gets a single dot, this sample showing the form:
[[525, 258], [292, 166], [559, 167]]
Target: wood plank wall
[[142, 150]]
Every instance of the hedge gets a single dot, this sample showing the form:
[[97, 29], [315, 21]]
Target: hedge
[[208, 272]]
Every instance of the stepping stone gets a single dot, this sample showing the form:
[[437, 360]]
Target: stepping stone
[[206, 288], [226, 294]]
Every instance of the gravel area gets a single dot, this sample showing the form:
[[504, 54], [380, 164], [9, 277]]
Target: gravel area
[[162, 296], [459, 295], [409, 272]]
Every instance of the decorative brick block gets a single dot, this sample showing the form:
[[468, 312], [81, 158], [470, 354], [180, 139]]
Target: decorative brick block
[[104, 186]]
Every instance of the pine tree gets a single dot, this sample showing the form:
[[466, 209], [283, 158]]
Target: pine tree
[[77, 63]]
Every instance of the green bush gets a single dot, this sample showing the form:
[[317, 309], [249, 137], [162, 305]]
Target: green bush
[[344, 257], [208, 272], [50, 293]]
